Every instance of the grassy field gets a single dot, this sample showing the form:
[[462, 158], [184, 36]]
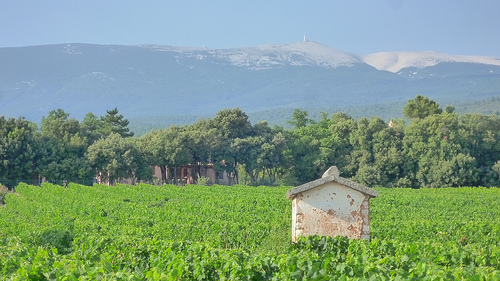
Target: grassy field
[[240, 233]]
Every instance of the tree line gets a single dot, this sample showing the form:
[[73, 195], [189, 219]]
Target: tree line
[[437, 148]]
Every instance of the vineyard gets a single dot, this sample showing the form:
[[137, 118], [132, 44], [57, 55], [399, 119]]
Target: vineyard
[[168, 232]]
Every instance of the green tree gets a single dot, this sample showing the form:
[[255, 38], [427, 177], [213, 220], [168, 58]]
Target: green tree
[[167, 148], [115, 158], [178, 147], [64, 161], [231, 124], [153, 146], [299, 119], [493, 175], [387, 151], [369, 150], [421, 107], [272, 158], [481, 135], [269, 162], [204, 141], [310, 148], [19, 151], [305, 159], [92, 128], [115, 123], [431, 147], [246, 151], [63, 149], [58, 125], [341, 128]]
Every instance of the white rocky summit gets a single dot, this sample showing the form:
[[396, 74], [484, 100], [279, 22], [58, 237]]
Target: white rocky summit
[[395, 61], [310, 53], [305, 53], [301, 53]]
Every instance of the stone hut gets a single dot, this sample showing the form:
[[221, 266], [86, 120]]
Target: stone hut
[[331, 206]]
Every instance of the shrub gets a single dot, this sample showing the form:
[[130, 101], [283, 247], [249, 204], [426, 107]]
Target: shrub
[[203, 181], [3, 191], [60, 239]]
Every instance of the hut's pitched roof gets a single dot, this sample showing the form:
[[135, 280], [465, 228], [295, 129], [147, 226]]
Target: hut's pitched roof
[[331, 175]]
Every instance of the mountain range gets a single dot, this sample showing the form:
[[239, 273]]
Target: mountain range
[[155, 82]]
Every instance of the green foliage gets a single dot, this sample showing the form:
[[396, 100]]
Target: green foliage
[[91, 128], [232, 123], [281, 116], [115, 158], [57, 151], [203, 181], [114, 123], [63, 149], [299, 119], [436, 149], [167, 232], [19, 151], [421, 107], [3, 191], [304, 154], [56, 238], [58, 125]]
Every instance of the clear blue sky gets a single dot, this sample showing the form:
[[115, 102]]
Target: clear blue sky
[[361, 26]]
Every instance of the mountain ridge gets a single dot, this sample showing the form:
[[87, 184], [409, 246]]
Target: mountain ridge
[[396, 61], [324, 55], [155, 80]]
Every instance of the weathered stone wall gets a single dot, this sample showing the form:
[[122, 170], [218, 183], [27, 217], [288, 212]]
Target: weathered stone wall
[[365, 209], [331, 209]]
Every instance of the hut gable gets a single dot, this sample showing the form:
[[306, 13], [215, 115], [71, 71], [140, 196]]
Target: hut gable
[[331, 206]]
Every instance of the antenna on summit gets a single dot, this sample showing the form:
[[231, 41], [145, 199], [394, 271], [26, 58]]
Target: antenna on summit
[[305, 40]]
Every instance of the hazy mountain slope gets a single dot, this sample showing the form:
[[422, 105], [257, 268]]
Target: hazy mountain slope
[[280, 116], [149, 81], [270, 56], [395, 61]]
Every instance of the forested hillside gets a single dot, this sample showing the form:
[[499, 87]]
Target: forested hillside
[[280, 116], [436, 148]]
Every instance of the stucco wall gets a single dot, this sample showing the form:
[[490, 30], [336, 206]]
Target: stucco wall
[[330, 209]]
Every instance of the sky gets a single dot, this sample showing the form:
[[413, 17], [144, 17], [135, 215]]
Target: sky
[[461, 27]]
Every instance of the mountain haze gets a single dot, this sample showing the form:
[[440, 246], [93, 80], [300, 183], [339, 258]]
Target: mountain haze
[[395, 61], [153, 81]]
